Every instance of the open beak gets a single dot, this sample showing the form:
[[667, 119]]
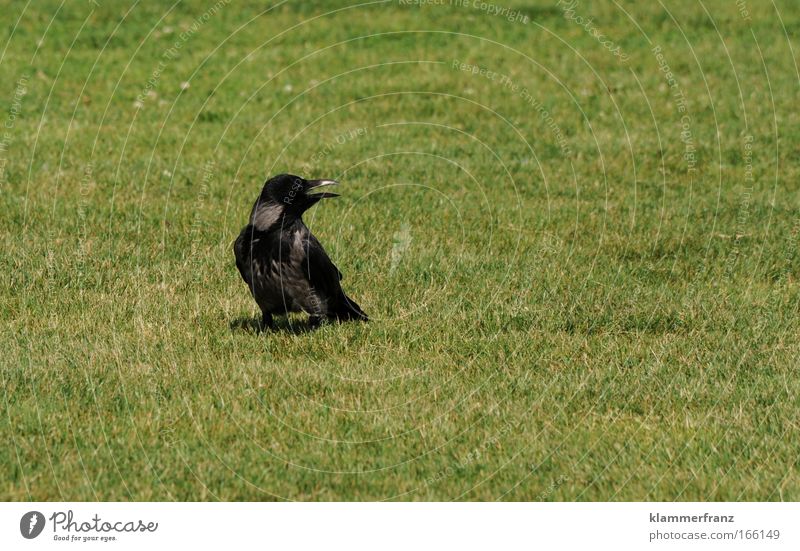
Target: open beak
[[312, 184]]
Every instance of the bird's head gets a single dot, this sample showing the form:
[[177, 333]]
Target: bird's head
[[287, 196]]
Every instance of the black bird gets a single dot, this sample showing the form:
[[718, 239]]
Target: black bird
[[283, 264]]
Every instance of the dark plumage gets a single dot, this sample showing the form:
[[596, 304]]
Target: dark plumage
[[283, 264]]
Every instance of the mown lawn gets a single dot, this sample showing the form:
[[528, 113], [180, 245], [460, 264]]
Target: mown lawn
[[575, 227]]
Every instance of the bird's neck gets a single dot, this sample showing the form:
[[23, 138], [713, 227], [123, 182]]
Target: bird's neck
[[268, 218]]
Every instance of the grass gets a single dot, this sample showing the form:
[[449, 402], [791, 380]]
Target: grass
[[571, 300]]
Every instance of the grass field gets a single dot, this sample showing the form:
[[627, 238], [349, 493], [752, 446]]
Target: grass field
[[575, 227]]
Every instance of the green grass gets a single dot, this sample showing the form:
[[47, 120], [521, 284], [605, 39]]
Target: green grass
[[562, 309]]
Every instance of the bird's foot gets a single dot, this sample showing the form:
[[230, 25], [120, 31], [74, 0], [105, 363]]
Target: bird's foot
[[315, 321], [267, 323]]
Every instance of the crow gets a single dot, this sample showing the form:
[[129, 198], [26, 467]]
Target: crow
[[283, 264]]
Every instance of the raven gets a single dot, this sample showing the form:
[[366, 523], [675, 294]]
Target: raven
[[283, 264]]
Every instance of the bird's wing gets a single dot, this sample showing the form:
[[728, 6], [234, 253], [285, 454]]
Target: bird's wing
[[240, 250], [323, 275]]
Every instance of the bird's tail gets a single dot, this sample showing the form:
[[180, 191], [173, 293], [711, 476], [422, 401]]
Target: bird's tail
[[349, 310]]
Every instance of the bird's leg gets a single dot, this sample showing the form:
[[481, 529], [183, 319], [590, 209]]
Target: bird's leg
[[266, 321]]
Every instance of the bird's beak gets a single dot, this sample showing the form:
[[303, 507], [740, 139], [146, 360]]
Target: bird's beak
[[312, 184]]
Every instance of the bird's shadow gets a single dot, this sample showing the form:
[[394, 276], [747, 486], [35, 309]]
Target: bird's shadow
[[282, 324]]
